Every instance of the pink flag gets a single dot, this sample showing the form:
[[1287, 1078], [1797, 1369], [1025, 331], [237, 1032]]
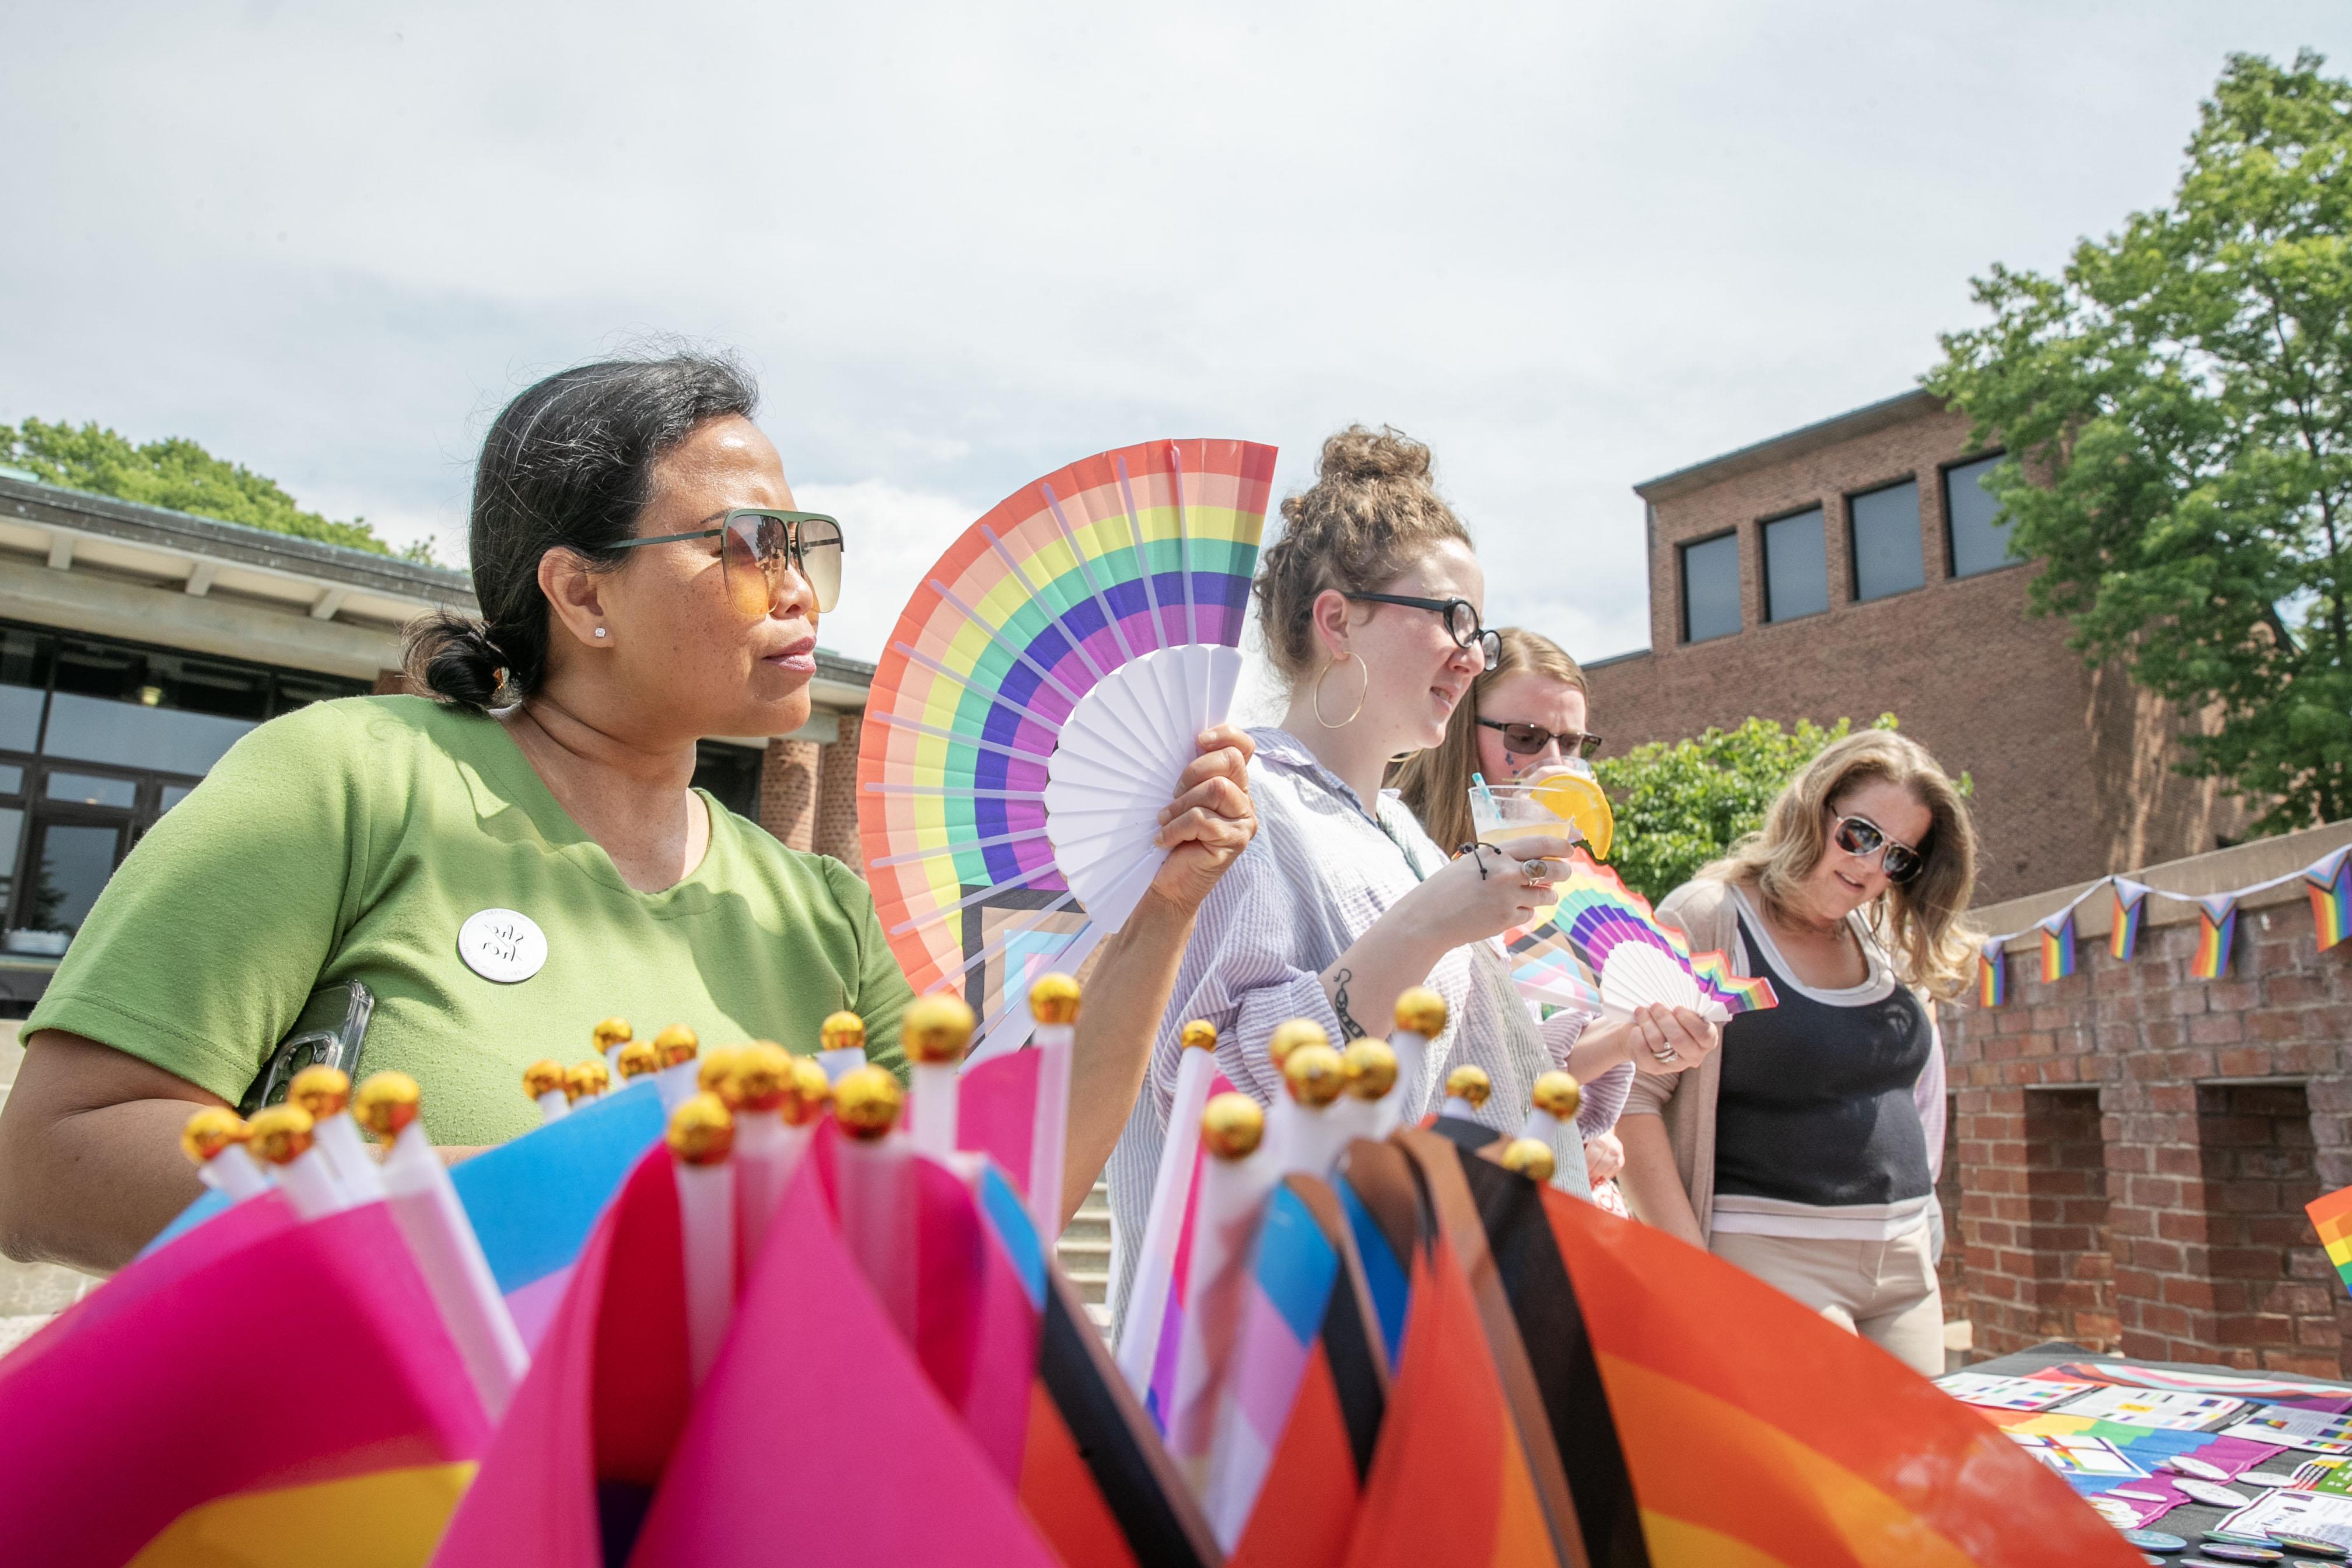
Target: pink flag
[[231, 1365], [592, 1428], [760, 1467], [996, 1114]]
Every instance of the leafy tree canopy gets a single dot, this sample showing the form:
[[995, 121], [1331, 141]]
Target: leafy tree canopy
[[179, 474], [1681, 804], [2177, 407]]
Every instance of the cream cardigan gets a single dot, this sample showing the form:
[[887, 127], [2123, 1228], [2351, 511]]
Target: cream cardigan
[[1707, 913]]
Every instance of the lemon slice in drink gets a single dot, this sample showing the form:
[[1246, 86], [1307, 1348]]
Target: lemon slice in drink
[[1578, 800]]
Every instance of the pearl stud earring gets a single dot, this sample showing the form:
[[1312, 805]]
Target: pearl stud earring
[[600, 631]]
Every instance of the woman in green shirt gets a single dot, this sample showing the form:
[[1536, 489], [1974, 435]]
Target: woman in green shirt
[[508, 864]]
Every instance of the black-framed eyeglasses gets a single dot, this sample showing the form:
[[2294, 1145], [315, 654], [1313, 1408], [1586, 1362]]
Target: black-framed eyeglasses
[[1860, 836], [759, 544], [1529, 740], [1460, 615]]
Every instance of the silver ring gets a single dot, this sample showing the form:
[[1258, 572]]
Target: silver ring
[[1537, 872], [1668, 1055]]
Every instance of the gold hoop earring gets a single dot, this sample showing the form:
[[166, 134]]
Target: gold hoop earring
[[1358, 708]]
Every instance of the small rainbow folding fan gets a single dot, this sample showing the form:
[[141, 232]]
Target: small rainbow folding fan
[[1038, 697], [1640, 962]]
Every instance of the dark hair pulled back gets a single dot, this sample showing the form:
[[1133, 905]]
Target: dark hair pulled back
[[568, 465], [1370, 515]]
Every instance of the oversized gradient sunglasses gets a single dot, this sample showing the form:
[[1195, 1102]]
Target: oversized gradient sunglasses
[[758, 545], [1860, 836], [1529, 740]]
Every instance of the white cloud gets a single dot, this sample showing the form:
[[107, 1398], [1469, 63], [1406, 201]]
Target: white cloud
[[891, 536]]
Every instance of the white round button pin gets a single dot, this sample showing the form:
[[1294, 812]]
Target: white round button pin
[[502, 945]]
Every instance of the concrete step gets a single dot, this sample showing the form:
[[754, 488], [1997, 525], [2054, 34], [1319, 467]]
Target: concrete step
[[1087, 1228], [1093, 1284]]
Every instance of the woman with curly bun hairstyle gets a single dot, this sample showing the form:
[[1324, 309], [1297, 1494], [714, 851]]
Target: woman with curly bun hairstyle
[[1372, 605], [520, 854]]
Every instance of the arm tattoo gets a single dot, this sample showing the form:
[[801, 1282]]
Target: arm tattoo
[[1348, 1029]]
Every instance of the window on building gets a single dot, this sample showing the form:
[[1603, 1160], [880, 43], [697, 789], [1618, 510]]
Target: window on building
[[1978, 543], [1796, 567], [1711, 588], [1886, 527]]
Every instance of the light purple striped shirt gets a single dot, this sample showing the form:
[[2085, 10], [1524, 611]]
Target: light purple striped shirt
[[1316, 878]]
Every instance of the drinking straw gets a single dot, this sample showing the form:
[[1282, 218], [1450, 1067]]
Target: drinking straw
[[1171, 1188], [1551, 1116], [215, 1138], [701, 1136], [1466, 1089], [282, 1140], [934, 1031], [1315, 1078], [877, 1191], [1420, 1018], [1053, 1003], [324, 1091], [1233, 1189], [440, 1237], [673, 1077], [841, 1041], [544, 1081], [609, 1037], [1485, 796]]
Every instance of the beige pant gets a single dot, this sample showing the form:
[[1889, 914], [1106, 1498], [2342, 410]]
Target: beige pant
[[1884, 1290]]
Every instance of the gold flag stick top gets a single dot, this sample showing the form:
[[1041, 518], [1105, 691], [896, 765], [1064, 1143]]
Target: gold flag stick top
[[1531, 1158], [1420, 1011], [637, 1058], [1199, 1034], [866, 1102], [1371, 1069], [810, 1093], [675, 1045], [1315, 1075], [280, 1134], [610, 1033], [1288, 1038], [1469, 1084], [841, 1032], [1230, 1126], [386, 1103], [542, 1076], [210, 1131], [1556, 1095], [586, 1079], [1054, 999], [322, 1090], [935, 1029], [701, 1130]]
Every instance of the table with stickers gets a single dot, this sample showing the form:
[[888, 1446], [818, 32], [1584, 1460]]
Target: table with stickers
[[2194, 1463]]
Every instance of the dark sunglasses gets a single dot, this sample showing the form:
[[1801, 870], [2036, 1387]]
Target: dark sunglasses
[[1860, 836], [1460, 618], [759, 544], [1529, 740]]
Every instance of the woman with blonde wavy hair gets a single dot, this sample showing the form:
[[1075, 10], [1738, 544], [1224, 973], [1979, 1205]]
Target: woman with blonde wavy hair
[[1806, 1150]]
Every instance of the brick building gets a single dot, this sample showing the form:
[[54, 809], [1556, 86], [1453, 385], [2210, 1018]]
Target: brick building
[[2131, 1147], [1852, 568]]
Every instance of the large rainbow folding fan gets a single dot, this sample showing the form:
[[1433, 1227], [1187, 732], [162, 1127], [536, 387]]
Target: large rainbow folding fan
[[1638, 961], [1037, 699]]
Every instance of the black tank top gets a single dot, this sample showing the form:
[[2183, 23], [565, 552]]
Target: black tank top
[[1816, 1101]]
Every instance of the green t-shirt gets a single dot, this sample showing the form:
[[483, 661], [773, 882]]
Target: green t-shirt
[[350, 840]]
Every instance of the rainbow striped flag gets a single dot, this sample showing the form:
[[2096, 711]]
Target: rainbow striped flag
[[2331, 1217], [2329, 883], [2217, 932], [2131, 903], [270, 1393], [2058, 947], [1992, 975]]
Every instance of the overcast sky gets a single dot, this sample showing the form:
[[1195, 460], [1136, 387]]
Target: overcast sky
[[1571, 245]]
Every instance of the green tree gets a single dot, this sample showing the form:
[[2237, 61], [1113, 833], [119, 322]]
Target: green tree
[[2177, 408], [179, 474], [1681, 804]]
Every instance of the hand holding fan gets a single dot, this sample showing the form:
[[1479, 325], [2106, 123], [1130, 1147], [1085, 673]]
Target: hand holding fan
[[1640, 962], [1040, 695]]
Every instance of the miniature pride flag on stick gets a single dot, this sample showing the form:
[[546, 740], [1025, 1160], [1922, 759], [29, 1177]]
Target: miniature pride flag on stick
[[543, 1081], [1315, 1075], [841, 1045], [2332, 1218], [934, 1031], [1369, 1069], [1420, 1018], [441, 1238], [283, 1140], [701, 1136], [1233, 1189], [1172, 1191], [324, 1091], [877, 1190], [1551, 1115], [609, 1037], [764, 1086], [215, 1138], [675, 1069], [1053, 1003]]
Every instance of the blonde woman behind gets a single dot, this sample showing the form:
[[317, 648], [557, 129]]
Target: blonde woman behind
[[1806, 1150], [1521, 720]]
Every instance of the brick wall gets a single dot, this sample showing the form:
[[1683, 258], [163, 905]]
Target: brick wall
[[836, 796], [788, 792], [2136, 1145], [2072, 767]]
